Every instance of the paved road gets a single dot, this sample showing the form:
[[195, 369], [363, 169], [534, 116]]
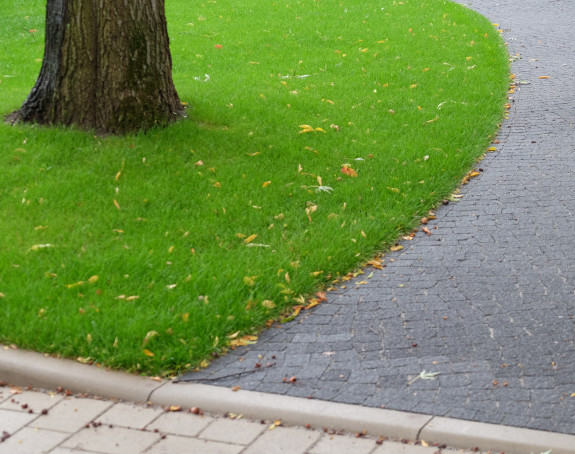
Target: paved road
[[488, 300]]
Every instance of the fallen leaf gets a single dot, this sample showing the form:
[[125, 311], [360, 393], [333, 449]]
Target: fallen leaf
[[174, 408], [117, 204], [77, 284], [544, 77], [347, 170], [38, 247], [236, 388], [266, 184], [148, 353], [426, 230], [375, 263], [312, 303], [396, 248], [268, 304], [149, 335], [250, 238]]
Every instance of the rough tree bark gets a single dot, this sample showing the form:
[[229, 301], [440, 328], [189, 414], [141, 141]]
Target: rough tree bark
[[107, 67]]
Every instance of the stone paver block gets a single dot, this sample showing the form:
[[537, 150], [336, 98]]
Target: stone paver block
[[173, 444], [32, 400], [389, 447], [180, 423], [70, 415], [29, 440], [284, 440], [11, 421], [342, 444], [112, 440], [130, 415], [236, 431]]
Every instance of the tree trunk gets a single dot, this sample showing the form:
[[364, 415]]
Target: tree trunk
[[107, 67]]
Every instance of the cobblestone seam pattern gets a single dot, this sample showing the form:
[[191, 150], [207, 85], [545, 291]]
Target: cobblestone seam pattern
[[486, 301]]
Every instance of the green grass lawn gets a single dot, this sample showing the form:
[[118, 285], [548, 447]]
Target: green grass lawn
[[318, 132]]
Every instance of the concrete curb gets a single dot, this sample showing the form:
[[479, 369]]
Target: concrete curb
[[26, 368]]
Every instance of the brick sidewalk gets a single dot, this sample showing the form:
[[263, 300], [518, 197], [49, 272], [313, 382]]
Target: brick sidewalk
[[33, 422]]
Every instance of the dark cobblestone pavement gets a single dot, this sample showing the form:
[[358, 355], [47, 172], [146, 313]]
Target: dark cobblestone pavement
[[488, 300]]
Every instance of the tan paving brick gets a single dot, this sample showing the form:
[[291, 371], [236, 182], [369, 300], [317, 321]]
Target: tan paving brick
[[70, 415], [66, 451], [343, 444], [32, 441], [112, 440], [11, 421], [32, 400], [130, 415], [236, 431], [284, 440], [173, 444], [180, 424], [389, 447]]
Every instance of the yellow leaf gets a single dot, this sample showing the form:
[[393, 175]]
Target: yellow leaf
[[287, 278], [92, 279], [77, 284], [315, 273], [396, 248], [250, 280], [148, 353], [424, 444], [118, 175], [117, 204], [185, 317], [175, 408], [205, 363], [375, 264], [312, 303], [89, 338], [243, 341], [544, 77], [266, 184], [250, 238], [491, 149], [320, 130], [217, 185], [149, 335], [132, 298], [393, 190], [269, 304]]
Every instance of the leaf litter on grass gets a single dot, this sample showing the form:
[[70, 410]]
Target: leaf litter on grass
[[237, 216]]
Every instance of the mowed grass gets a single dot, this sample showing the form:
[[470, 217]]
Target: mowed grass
[[151, 253]]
